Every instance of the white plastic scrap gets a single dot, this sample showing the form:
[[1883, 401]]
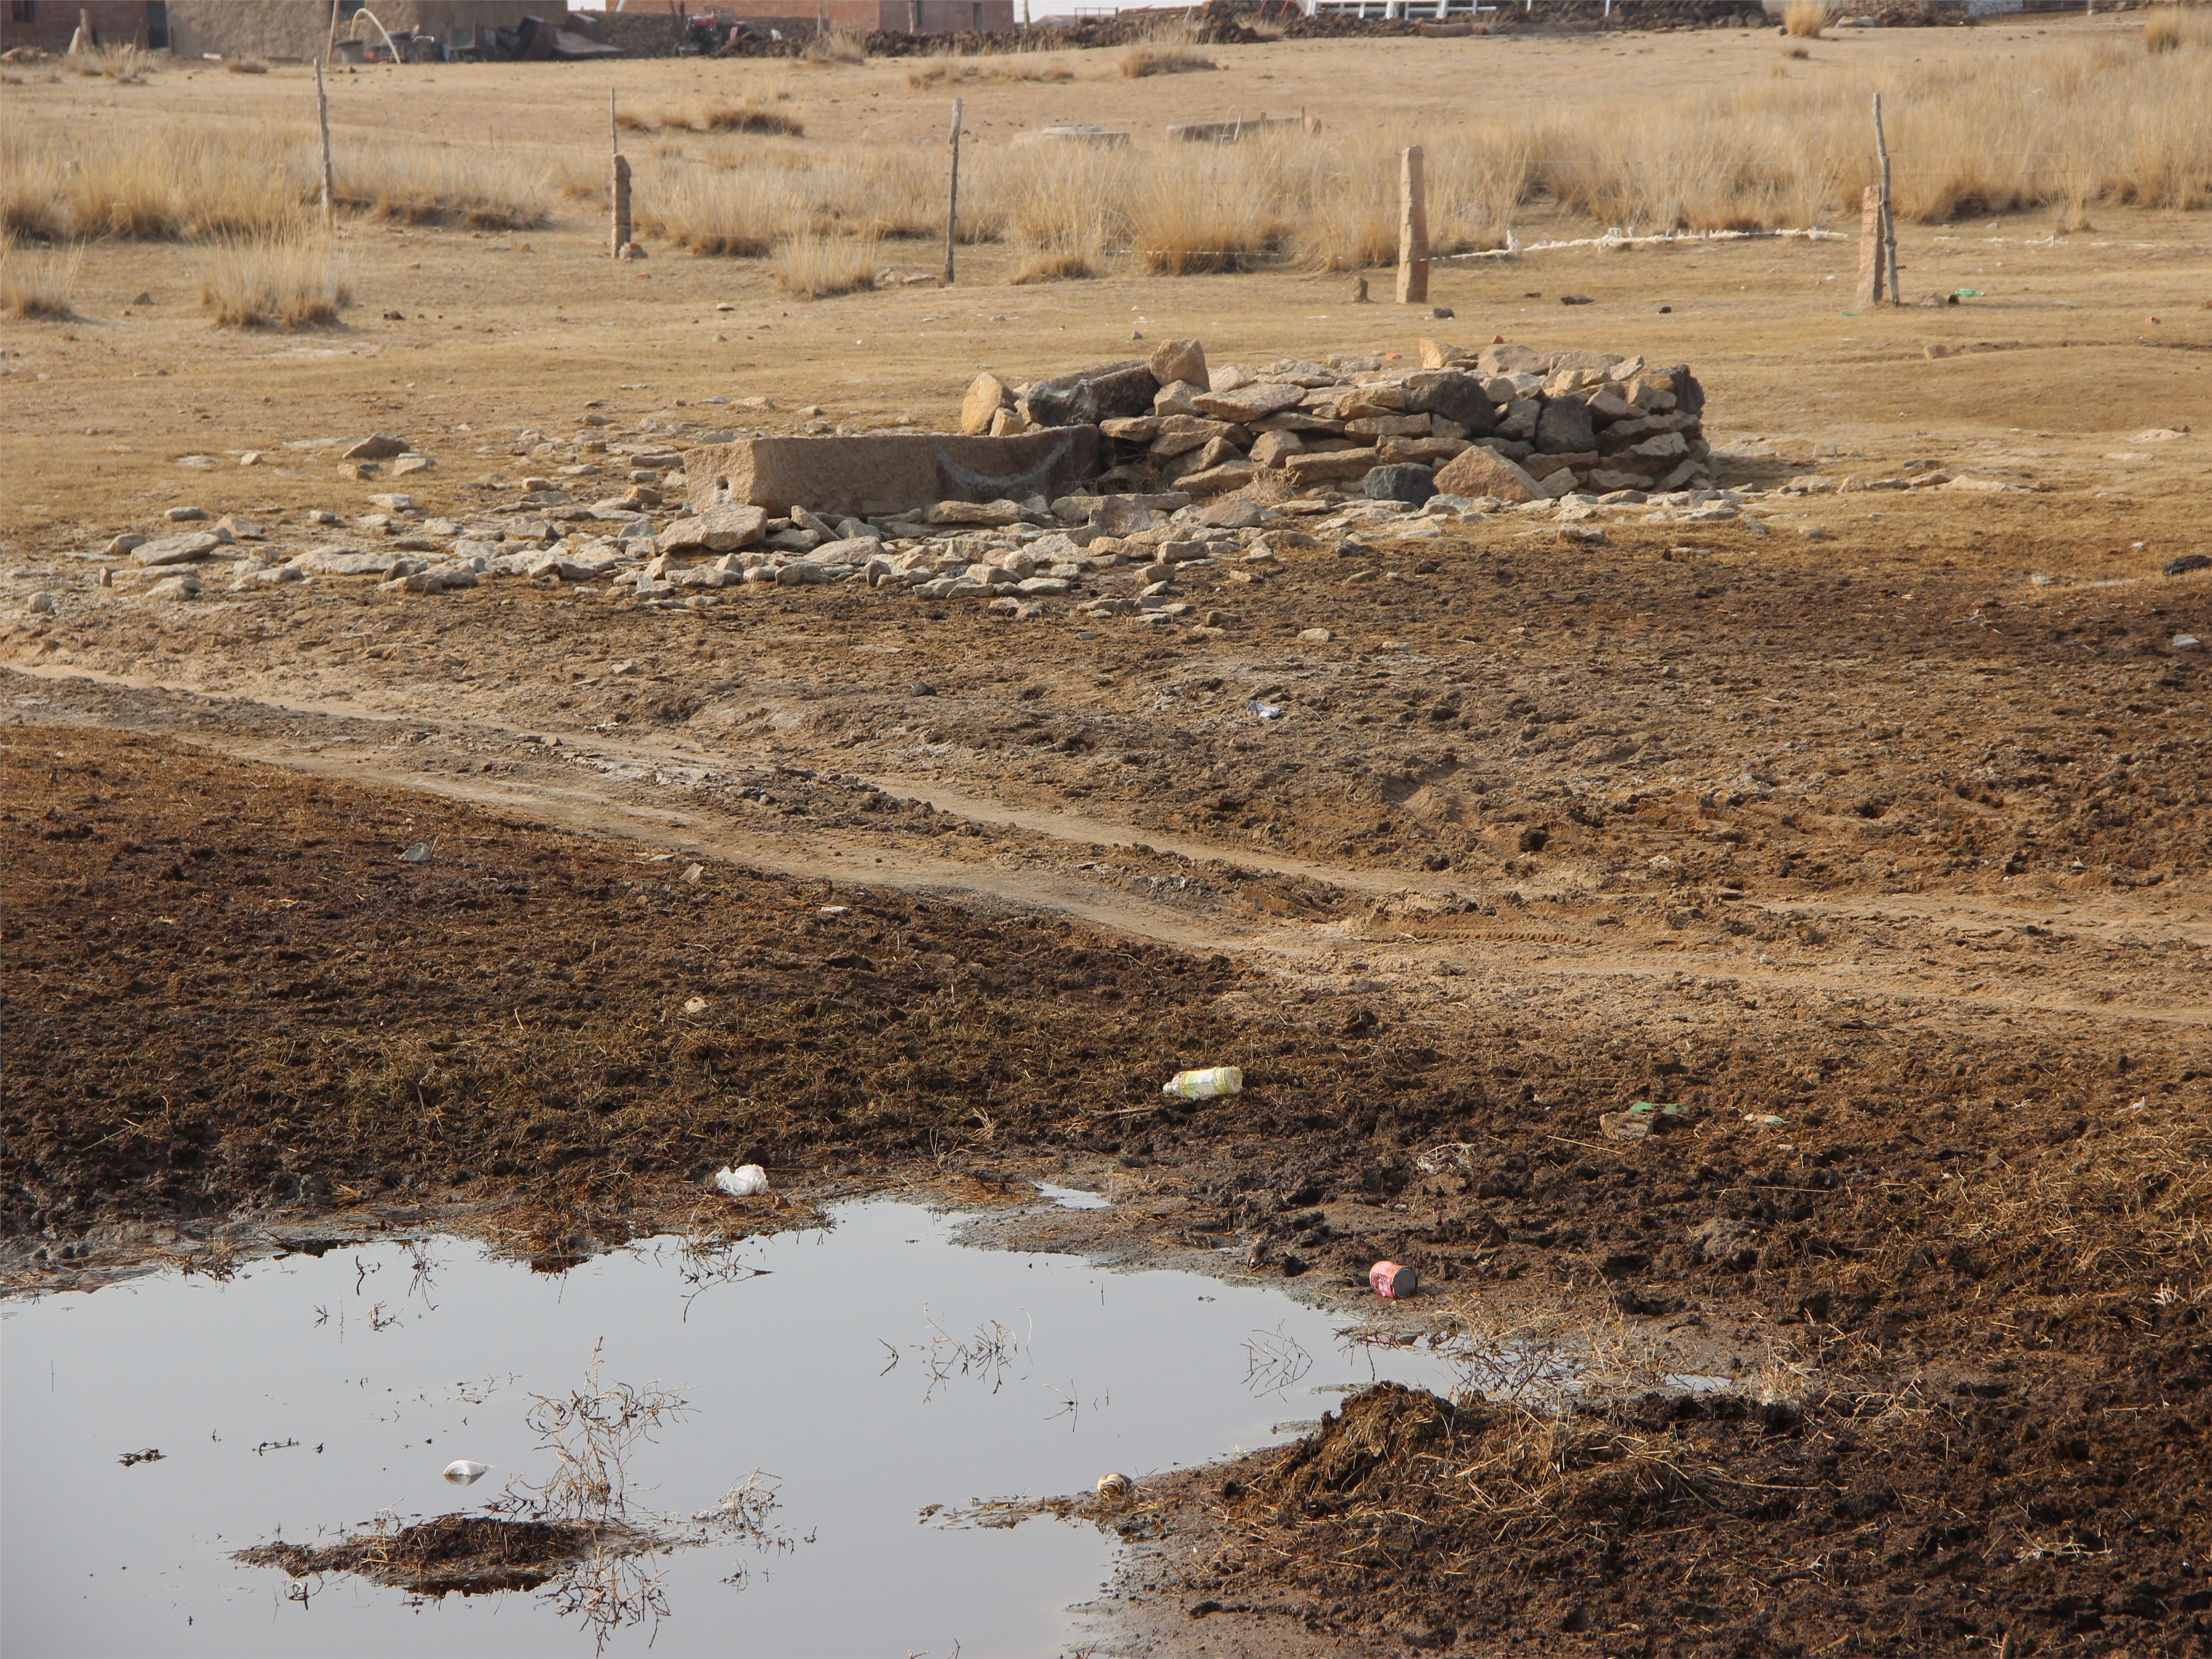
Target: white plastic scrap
[[746, 1181], [462, 1472]]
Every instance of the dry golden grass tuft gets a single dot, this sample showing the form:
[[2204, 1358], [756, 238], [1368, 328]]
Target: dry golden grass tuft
[[245, 66], [812, 267], [740, 212], [37, 285], [127, 64], [438, 182], [1053, 268], [289, 282], [834, 45], [960, 71], [1161, 57], [2177, 27], [1806, 18]]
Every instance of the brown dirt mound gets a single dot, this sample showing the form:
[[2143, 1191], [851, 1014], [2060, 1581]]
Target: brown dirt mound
[[1711, 1526], [461, 1554]]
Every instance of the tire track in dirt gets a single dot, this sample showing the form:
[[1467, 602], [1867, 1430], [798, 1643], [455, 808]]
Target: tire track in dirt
[[622, 805]]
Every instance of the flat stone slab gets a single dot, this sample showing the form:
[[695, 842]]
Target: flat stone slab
[[887, 472]]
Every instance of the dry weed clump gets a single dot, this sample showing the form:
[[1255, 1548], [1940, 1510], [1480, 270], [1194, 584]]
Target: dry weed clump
[[834, 45], [37, 286], [1162, 57], [246, 66], [1806, 18], [1015, 66], [740, 212], [127, 64], [1053, 268], [2177, 27], [439, 182], [294, 283], [809, 266]]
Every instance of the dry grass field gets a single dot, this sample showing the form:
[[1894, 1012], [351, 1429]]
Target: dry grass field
[[1870, 825]]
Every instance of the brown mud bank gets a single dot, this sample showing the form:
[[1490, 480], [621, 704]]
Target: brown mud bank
[[1969, 1250]]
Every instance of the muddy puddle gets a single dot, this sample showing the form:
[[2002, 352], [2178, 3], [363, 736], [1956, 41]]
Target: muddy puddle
[[856, 1375]]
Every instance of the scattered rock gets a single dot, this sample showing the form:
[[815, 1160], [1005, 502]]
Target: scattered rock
[[40, 604], [169, 589], [377, 446], [1316, 635], [185, 514], [343, 561], [125, 543], [404, 465], [176, 550], [240, 530]]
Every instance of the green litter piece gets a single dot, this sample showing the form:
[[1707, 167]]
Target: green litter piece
[[1851, 313], [1764, 1119], [1967, 293]]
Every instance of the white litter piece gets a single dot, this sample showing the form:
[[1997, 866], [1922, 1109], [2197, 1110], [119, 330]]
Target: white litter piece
[[462, 1472], [746, 1181]]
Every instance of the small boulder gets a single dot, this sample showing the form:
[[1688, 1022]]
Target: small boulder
[[185, 514], [377, 446], [1479, 471], [176, 550], [986, 395], [1564, 427], [1178, 360], [172, 589], [1407, 482], [1455, 396]]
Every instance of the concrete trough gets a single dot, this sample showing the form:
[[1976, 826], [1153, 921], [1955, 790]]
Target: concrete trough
[[889, 472]]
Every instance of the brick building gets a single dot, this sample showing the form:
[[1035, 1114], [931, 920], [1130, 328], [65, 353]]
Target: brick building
[[49, 24], [890, 16]]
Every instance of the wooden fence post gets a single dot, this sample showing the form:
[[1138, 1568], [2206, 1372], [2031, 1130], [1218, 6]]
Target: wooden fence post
[[1870, 291], [621, 193], [952, 194], [1888, 208], [330, 186], [1413, 230]]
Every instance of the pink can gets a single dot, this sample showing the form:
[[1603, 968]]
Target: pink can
[[1392, 1281]]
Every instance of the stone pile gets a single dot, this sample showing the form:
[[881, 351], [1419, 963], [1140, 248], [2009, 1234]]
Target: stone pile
[[1508, 422], [1348, 459]]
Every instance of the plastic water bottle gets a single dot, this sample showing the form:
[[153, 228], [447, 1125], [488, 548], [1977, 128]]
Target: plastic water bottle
[[1205, 1085]]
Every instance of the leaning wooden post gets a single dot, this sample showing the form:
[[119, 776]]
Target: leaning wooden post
[[1413, 230], [323, 118], [330, 46], [1869, 291], [620, 191], [1888, 207], [952, 194]]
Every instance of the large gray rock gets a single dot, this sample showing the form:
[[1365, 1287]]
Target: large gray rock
[[1406, 482], [1479, 471], [1107, 391], [986, 395], [1249, 403], [888, 472], [176, 550], [1565, 427], [1508, 359], [1689, 396], [717, 530], [1454, 395], [1178, 360], [344, 562]]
